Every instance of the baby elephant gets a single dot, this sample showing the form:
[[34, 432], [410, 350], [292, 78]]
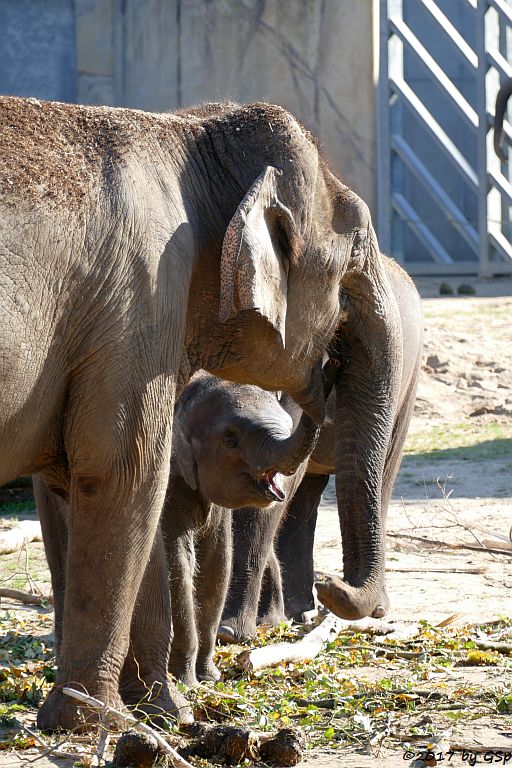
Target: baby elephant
[[233, 445]]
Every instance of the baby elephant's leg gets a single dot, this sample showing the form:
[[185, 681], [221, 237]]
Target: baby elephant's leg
[[181, 555], [213, 549]]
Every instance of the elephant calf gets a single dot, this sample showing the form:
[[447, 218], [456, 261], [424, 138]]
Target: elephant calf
[[231, 444]]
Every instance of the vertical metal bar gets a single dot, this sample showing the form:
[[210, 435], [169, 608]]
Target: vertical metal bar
[[481, 106], [384, 210], [399, 227]]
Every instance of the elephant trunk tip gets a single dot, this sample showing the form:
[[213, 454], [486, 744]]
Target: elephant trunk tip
[[350, 602]]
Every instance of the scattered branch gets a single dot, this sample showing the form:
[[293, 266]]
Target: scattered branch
[[436, 569], [25, 532], [310, 646], [438, 543], [27, 598], [491, 645], [176, 759], [303, 650]]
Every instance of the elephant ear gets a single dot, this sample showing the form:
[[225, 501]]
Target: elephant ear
[[252, 274], [183, 456]]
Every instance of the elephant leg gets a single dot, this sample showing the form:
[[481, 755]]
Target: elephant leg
[[212, 579], [271, 606], [182, 561], [295, 545], [146, 663], [253, 536], [52, 513], [118, 472]]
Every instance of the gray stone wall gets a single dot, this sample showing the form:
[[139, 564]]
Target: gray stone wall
[[37, 47]]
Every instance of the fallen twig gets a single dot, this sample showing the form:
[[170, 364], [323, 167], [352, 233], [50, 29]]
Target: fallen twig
[[492, 645], [14, 538], [437, 569], [311, 644], [446, 544], [107, 711], [303, 650], [497, 544], [24, 597]]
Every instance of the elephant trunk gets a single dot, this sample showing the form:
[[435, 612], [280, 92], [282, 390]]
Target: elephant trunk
[[366, 400], [286, 455], [499, 114]]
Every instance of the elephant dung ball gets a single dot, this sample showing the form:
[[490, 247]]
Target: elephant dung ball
[[135, 750], [231, 744], [285, 748]]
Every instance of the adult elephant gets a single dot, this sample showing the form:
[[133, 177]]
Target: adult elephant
[[502, 98], [365, 459], [134, 249]]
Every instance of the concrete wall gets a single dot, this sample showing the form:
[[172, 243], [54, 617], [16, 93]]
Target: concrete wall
[[37, 45], [314, 57]]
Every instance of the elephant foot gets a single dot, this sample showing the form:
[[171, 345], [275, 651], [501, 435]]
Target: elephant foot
[[160, 704], [208, 671], [184, 672], [226, 634], [271, 618], [302, 609], [236, 630], [350, 602], [61, 712]]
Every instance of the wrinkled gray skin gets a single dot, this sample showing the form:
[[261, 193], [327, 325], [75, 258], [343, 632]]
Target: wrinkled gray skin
[[226, 437], [502, 98], [135, 249], [347, 447]]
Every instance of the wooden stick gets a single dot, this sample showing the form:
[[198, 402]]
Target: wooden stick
[[28, 598], [446, 544], [493, 645], [166, 748], [303, 650], [497, 544], [25, 532], [437, 569]]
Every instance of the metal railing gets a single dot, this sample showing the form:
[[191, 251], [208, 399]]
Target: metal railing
[[472, 231]]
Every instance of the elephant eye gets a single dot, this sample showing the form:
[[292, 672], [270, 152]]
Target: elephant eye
[[228, 439]]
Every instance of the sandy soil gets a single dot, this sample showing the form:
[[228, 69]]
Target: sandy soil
[[454, 487]]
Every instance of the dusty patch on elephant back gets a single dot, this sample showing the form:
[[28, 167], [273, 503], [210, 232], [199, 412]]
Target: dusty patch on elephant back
[[54, 152]]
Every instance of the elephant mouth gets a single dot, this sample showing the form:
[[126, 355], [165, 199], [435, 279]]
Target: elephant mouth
[[270, 484]]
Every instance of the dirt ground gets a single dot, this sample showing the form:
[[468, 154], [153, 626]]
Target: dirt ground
[[454, 488]]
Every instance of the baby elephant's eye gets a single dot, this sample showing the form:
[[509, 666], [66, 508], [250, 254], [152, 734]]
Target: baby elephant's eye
[[229, 439]]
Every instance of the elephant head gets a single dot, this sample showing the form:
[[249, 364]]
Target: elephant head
[[292, 232], [499, 115], [234, 443]]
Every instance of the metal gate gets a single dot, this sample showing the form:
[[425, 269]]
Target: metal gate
[[444, 198]]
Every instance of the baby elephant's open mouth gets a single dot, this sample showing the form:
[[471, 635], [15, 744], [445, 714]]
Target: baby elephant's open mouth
[[271, 483]]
